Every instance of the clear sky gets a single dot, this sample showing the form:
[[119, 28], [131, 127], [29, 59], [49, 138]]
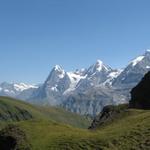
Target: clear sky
[[37, 34]]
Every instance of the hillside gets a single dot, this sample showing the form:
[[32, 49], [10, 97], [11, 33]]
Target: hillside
[[15, 110], [131, 131], [110, 114]]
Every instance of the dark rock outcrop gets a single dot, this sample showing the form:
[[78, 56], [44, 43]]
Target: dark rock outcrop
[[140, 95], [108, 115], [13, 138]]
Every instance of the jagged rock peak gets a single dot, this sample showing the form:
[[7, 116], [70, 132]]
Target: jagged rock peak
[[58, 68], [57, 71], [99, 65]]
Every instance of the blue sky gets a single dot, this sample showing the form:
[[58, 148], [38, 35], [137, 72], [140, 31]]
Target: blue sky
[[37, 34]]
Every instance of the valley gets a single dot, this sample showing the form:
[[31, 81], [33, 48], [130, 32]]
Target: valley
[[45, 132]]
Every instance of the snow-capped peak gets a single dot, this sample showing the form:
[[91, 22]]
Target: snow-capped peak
[[98, 67], [137, 60], [99, 61], [58, 68], [59, 71], [140, 58]]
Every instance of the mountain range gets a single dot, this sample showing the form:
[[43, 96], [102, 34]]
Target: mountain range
[[14, 89], [84, 91]]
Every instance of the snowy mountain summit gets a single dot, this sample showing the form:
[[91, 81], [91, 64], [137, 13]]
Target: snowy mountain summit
[[99, 66], [84, 91], [140, 58], [134, 72]]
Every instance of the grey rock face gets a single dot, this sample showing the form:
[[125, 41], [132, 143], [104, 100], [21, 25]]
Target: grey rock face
[[92, 101], [26, 94]]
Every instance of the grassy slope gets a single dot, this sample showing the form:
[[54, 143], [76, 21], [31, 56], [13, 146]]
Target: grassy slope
[[8, 105], [125, 133], [132, 132]]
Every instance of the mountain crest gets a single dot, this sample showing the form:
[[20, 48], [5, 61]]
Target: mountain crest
[[141, 58], [99, 66], [58, 68], [56, 73]]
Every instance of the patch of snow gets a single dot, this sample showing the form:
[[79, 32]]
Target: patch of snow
[[123, 79], [6, 90], [147, 67], [61, 75], [74, 78], [54, 88], [115, 74], [137, 60], [9, 91], [112, 76], [23, 86]]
